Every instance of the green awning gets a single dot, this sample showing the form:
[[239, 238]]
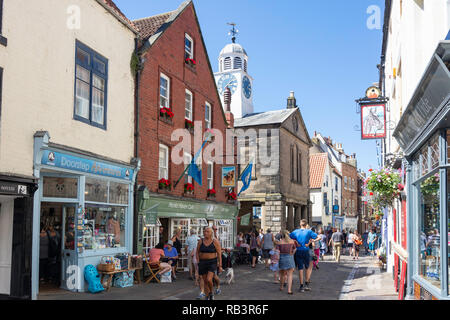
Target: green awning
[[159, 207]]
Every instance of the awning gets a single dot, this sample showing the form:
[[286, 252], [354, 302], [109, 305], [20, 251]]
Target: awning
[[429, 103], [159, 207]]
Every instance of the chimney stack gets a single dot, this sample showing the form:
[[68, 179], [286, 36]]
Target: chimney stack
[[291, 101]]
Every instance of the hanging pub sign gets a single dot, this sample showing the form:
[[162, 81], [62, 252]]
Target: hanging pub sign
[[373, 121]]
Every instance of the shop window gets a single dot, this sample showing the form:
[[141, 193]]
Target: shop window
[[429, 227], [96, 190], [118, 193], [225, 233], [164, 91], [188, 105], [103, 227], [91, 76], [207, 116], [434, 152], [59, 187]]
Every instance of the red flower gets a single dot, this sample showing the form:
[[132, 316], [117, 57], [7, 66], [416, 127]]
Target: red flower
[[188, 187], [371, 193], [193, 62], [400, 187], [370, 170], [163, 110]]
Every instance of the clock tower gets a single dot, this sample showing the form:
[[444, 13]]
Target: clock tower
[[233, 63]]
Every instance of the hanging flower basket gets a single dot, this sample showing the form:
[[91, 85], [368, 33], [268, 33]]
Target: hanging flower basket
[[166, 113], [188, 188], [430, 186], [384, 186], [190, 62], [189, 124], [211, 193], [164, 184]]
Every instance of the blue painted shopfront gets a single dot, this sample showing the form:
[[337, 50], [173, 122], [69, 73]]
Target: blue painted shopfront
[[93, 197], [424, 135]]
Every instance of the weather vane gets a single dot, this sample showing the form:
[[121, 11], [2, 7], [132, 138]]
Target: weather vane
[[233, 32]]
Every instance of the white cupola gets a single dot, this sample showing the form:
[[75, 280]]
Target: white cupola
[[233, 73]]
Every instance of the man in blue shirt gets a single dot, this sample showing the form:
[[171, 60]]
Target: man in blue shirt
[[302, 257], [171, 253]]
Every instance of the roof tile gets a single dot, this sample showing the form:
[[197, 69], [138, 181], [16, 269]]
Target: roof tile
[[317, 165], [149, 26]]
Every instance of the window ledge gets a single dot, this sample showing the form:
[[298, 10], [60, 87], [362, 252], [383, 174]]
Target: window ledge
[[190, 67], [3, 41], [165, 120]]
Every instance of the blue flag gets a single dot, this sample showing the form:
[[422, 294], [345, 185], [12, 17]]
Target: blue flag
[[194, 171], [246, 178]]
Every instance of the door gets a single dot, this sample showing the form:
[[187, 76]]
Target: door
[[182, 224], [71, 276]]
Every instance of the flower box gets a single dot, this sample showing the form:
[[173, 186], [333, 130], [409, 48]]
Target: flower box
[[189, 124], [190, 62], [188, 188], [164, 184], [166, 113], [211, 193], [231, 196]]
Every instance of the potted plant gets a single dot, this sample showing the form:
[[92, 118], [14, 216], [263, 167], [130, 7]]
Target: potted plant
[[211, 193], [231, 196], [384, 187], [164, 184], [188, 188]]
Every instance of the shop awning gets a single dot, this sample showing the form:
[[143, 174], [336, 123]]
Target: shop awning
[[429, 103], [159, 207]]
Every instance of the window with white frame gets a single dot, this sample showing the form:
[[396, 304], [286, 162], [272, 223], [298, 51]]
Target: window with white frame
[[188, 47], [189, 102], [225, 233], [207, 115], [187, 161], [210, 175], [150, 237], [163, 162], [164, 92]]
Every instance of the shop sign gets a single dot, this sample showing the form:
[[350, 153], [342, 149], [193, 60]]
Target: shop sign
[[336, 208], [65, 161], [228, 177], [373, 121], [350, 222], [13, 189]]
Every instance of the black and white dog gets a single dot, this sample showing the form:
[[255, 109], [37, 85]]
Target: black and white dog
[[227, 267]]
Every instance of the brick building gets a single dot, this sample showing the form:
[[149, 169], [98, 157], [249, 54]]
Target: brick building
[[168, 79]]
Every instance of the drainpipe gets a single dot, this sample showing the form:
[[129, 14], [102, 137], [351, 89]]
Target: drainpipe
[[136, 141]]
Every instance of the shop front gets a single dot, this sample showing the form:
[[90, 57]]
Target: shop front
[[160, 217], [83, 211], [16, 213], [424, 134]]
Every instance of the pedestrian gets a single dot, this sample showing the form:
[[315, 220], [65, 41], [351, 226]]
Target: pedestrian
[[371, 238], [302, 256], [191, 244], [267, 245], [172, 254], [350, 243], [322, 244], [274, 263], [357, 242], [344, 243], [279, 235], [43, 254], [337, 239], [209, 257], [216, 279], [254, 246], [176, 239], [316, 248], [287, 248], [364, 240]]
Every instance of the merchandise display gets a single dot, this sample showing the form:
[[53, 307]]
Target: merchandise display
[[123, 279]]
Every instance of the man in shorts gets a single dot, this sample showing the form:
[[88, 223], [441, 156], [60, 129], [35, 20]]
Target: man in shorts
[[302, 257]]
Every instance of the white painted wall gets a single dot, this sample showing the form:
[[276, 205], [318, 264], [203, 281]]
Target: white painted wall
[[6, 234], [39, 77]]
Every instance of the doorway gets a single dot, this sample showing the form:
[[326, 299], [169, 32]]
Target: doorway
[[56, 245]]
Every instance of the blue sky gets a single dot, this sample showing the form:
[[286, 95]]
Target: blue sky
[[320, 49]]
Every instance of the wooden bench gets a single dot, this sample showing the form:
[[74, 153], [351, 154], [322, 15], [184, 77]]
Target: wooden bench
[[112, 273]]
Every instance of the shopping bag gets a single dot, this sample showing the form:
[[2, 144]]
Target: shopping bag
[[166, 277]]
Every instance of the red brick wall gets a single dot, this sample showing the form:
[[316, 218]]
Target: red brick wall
[[167, 56], [350, 172]]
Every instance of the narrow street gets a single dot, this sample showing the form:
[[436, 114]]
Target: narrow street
[[350, 280]]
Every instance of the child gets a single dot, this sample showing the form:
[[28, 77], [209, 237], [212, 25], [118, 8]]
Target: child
[[274, 258]]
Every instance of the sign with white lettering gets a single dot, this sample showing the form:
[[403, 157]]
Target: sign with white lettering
[[65, 161], [11, 188]]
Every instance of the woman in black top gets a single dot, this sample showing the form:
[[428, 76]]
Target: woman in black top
[[209, 257], [177, 242]]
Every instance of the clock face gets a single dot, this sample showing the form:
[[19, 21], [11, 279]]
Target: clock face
[[227, 80], [247, 87]]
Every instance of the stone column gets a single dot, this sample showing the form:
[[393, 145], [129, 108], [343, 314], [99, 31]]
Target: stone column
[[290, 218], [297, 216], [275, 212]]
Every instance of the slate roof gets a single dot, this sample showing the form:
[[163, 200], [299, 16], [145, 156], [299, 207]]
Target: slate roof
[[317, 165], [262, 118]]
